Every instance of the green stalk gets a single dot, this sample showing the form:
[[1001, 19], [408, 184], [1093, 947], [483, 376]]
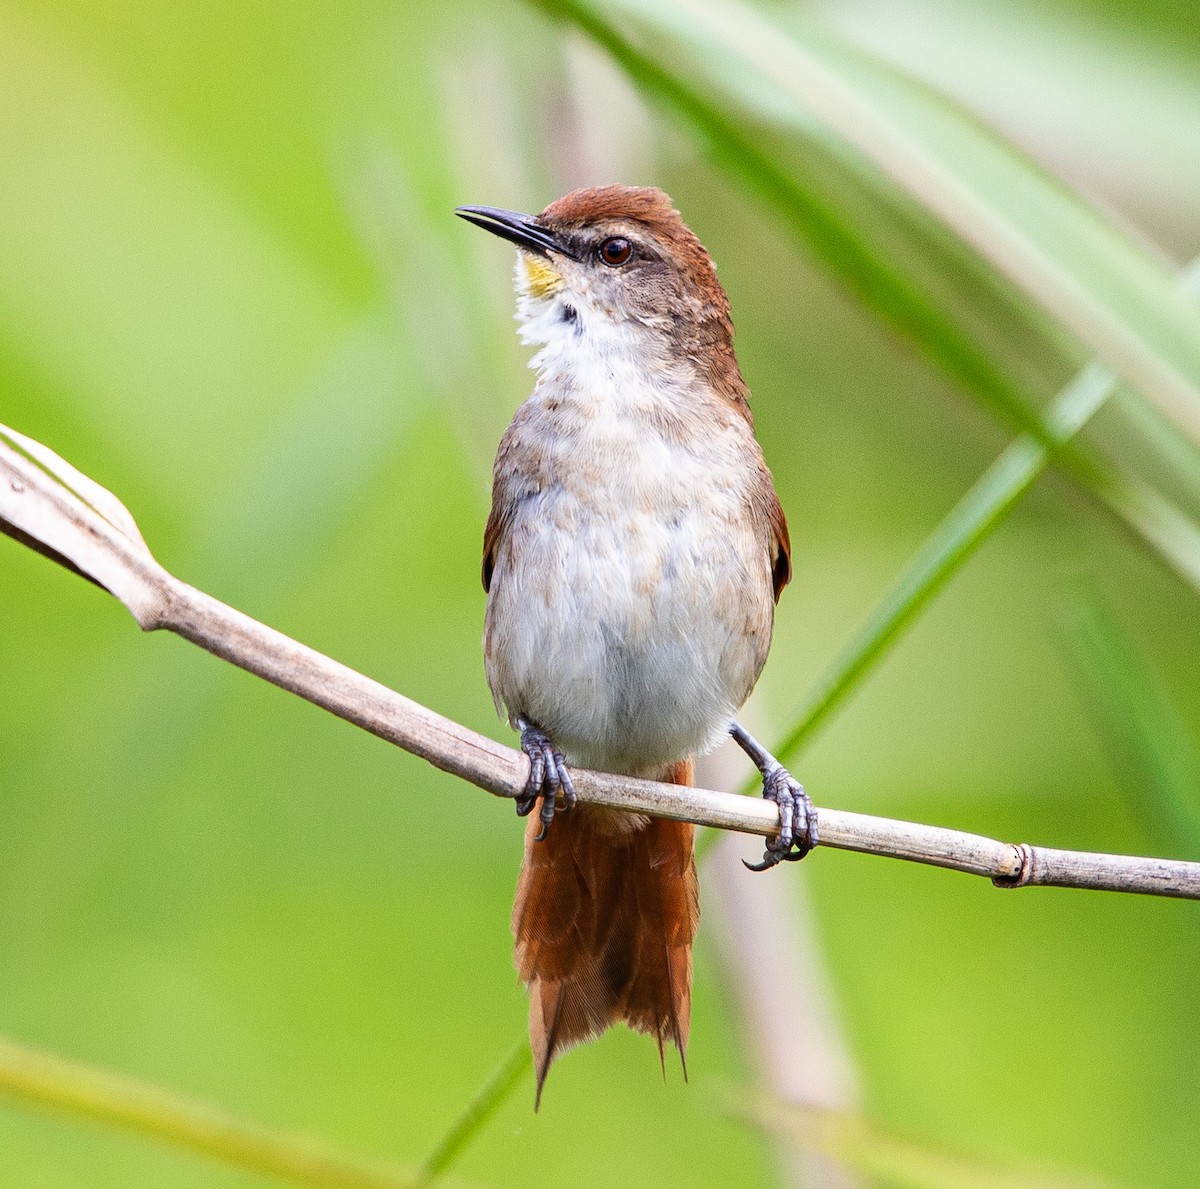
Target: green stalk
[[46, 1081], [945, 550], [1141, 725], [491, 1096], [971, 521], [856, 1144]]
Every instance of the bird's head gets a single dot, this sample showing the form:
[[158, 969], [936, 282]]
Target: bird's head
[[613, 264]]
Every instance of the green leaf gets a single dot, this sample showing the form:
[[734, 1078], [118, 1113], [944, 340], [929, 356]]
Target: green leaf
[[1094, 281], [851, 1141], [822, 203], [1141, 724], [948, 547]]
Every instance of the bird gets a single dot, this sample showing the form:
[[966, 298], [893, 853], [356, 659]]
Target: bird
[[633, 555]]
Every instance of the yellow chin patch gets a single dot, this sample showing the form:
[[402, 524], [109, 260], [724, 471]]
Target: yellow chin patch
[[538, 277]]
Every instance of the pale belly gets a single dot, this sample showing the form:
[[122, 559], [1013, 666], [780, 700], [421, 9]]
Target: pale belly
[[631, 636]]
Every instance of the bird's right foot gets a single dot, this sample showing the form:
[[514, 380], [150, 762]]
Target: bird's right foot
[[548, 776]]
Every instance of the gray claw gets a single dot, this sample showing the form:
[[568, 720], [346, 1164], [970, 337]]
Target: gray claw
[[548, 776], [795, 808]]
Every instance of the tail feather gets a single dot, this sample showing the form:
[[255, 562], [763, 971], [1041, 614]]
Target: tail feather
[[604, 921]]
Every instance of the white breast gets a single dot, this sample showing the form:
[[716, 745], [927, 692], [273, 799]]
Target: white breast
[[631, 604]]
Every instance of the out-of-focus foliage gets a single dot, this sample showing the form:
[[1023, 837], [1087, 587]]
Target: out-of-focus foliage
[[232, 291]]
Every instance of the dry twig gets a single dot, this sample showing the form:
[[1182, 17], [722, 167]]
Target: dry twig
[[50, 506]]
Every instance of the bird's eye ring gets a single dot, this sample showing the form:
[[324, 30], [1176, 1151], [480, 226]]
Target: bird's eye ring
[[615, 251]]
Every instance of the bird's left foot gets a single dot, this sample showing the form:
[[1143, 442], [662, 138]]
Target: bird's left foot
[[797, 816]]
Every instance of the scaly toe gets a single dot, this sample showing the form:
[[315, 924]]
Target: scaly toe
[[564, 781], [548, 776], [797, 820]]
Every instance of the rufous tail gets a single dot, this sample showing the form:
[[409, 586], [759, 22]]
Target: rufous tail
[[604, 921]]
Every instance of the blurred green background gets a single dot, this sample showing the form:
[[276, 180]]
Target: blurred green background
[[232, 290]]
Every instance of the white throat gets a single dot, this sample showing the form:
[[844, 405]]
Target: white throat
[[585, 344]]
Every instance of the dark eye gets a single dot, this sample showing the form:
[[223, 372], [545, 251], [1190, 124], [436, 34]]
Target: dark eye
[[615, 251]]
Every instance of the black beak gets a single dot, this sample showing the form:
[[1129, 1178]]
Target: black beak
[[523, 230]]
